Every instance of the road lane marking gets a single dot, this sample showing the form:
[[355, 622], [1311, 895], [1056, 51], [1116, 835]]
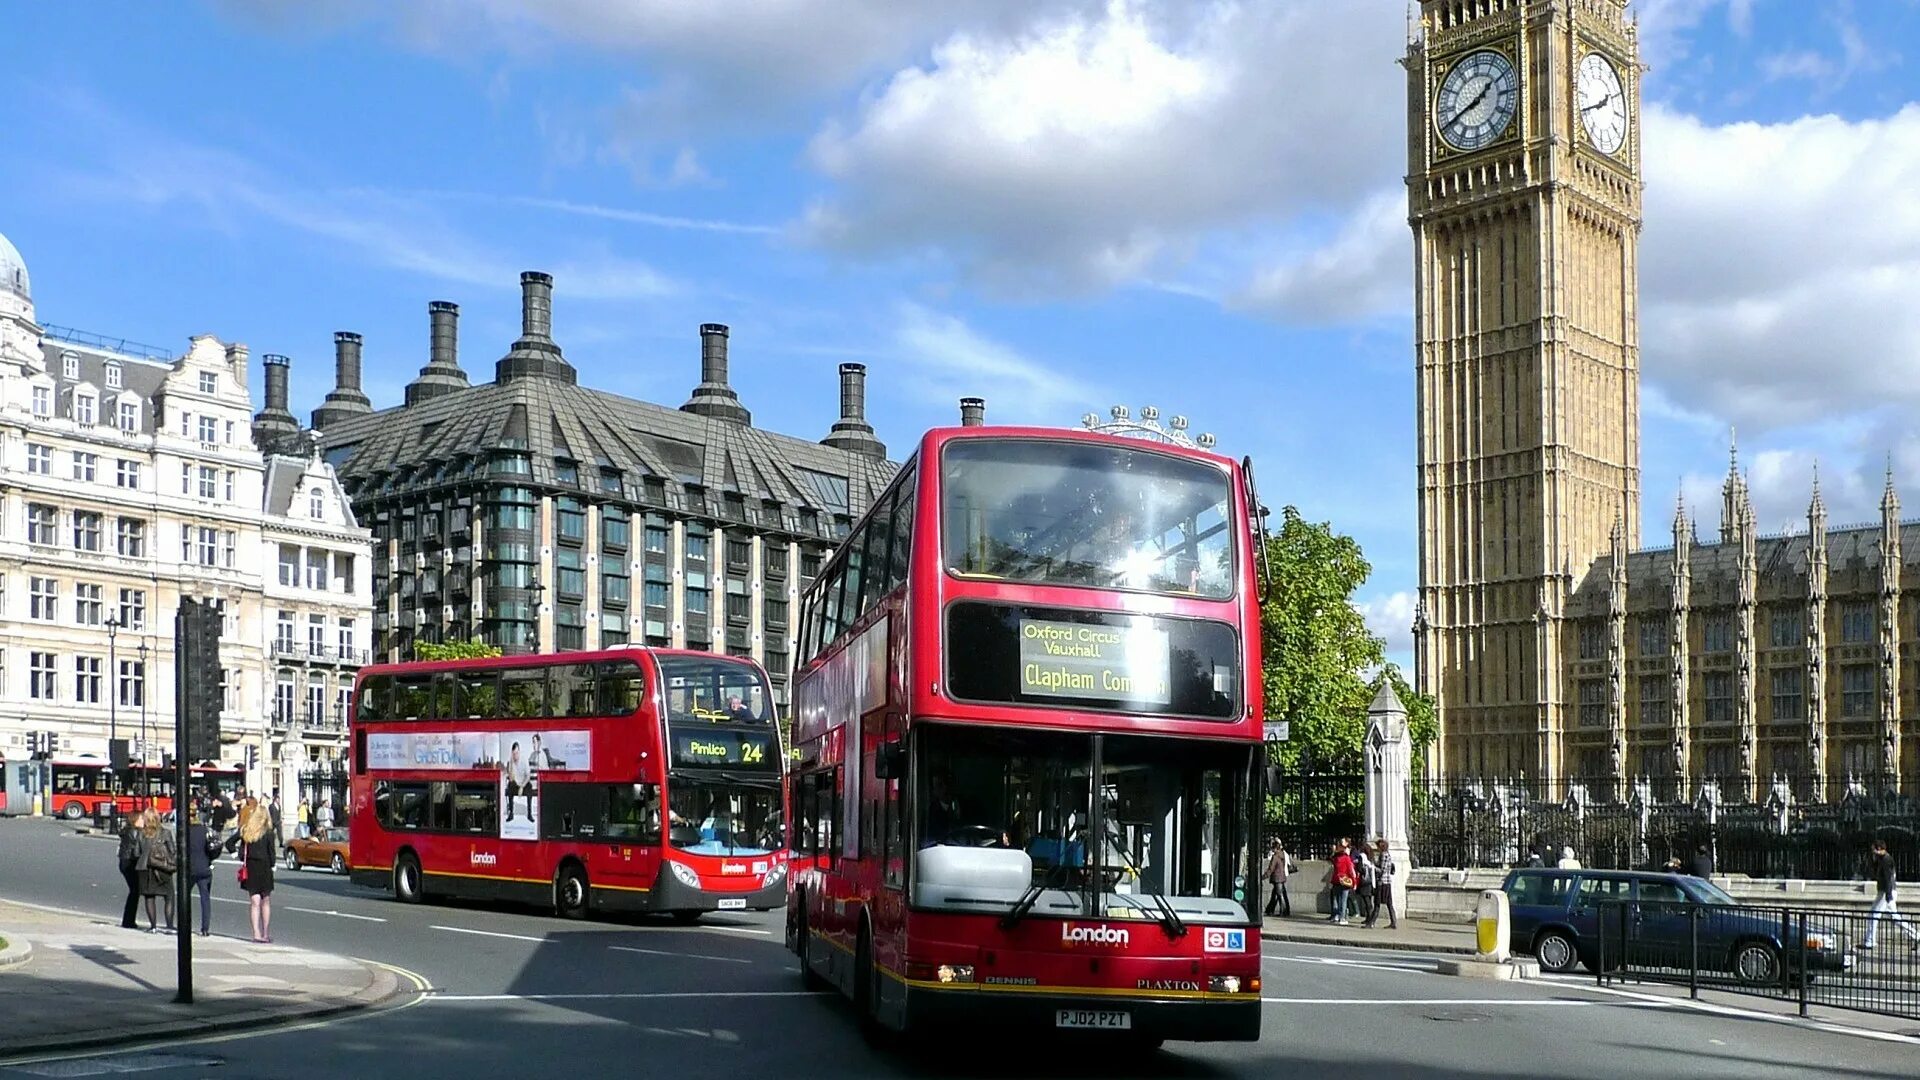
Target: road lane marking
[[1371, 965], [688, 956], [662, 996], [338, 914], [490, 933], [1826, 1026], [1567, 1003], [737, 930]]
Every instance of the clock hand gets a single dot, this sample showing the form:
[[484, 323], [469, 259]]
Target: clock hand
[[1468, 107], [1598, 104]]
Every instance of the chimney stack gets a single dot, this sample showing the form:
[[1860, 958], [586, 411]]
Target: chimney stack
[[237, 356], [714, 397], [535, 355], [346, 399], [973, 412], [852, 432], [274, 424], [442, 375]]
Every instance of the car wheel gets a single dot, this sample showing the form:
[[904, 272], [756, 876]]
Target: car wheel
[[1556, 952], [339, 863], [1756, 963], [570, 892], [409, 887], [292, 860]]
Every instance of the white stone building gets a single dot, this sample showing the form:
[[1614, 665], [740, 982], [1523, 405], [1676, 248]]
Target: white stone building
[[128, 480]]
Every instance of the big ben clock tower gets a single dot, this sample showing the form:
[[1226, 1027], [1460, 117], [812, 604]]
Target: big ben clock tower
[[1523, 190]]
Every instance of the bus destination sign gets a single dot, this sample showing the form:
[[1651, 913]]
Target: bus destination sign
[[752, 749], [1101, 662]]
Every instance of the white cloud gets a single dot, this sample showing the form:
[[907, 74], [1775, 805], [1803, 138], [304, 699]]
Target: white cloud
[[1100, 146], [950, 360], [1829, 73], [1363, 271], [1390, 616]]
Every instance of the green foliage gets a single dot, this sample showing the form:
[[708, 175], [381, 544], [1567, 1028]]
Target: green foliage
[[472, 649], [1318, 653]]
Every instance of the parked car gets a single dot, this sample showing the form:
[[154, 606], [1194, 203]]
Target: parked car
[[1661, 921], [328, 850]]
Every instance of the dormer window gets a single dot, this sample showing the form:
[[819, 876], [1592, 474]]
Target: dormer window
[[86, 409], [69, 365], [113, 376], [43, 401], [209, 382], [129, 416], [317, 504]]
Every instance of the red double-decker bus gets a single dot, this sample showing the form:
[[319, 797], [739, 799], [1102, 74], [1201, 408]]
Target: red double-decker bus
[[81, 782], [630, 779], [1027, 743]]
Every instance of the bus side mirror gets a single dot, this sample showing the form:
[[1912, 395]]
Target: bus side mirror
[[1274, 778], [890, 762]]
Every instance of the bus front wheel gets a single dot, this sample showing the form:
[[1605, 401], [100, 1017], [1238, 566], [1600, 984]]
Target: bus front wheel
[[570, 892], [409, 887]]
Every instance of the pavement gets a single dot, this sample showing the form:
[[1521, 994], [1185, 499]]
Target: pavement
[[83, 981], [1411, 936]]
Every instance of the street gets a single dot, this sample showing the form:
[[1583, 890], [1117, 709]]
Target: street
[[518, 992]]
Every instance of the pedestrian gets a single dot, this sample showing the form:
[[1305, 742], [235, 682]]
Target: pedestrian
[[1387, 870], [157, 863], [1341, 877], [273, 814], [1885, 876], [255, 844], [305, 822], [323, 818], [1276, 873], [130, 841], [202, 849], [222, 813], [1567, 861], [1702, 864], [1367, 876]]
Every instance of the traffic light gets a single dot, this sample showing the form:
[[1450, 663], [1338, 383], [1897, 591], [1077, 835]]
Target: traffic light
[[201, 677], [119, 755], [253, 757], [53, 743]]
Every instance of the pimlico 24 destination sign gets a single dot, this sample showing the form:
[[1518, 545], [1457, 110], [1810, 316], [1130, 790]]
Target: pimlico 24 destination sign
[[1106, 663]]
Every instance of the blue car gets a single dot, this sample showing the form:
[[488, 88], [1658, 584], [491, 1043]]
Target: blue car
[[1658, 921]]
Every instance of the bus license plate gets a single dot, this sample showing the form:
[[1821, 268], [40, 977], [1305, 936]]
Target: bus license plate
[[1112, 1020], [736, 904]]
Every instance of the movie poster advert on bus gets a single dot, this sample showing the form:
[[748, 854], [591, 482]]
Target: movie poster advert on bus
[[1104, 663], [518, 757]]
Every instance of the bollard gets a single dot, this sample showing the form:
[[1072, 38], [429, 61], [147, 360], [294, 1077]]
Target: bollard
[[1493, 929]]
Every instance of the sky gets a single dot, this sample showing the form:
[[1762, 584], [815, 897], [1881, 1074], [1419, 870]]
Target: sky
[[1058, 205]]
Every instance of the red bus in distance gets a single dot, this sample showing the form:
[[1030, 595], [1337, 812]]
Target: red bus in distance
[[81, 782], [1027, 743], [630, 779]]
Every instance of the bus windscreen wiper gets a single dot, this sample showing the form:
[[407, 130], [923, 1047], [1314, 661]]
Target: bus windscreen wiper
[[1169, 919], [1027, 899]]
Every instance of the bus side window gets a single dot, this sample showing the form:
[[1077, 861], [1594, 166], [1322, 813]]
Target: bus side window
[[440, 806], [902, 532], [523, 692], [410, 698], [443, 684], [479, 695], [573, 690], [476, 808], [622, 688], [376, 698]]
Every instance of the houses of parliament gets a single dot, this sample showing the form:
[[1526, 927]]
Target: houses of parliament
[[1555, 646]]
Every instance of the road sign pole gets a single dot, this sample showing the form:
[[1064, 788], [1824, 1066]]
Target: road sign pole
[[182, 798]]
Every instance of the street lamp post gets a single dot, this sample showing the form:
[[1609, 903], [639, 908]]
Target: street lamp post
[[146, 774], [539, 590], [113, 689]]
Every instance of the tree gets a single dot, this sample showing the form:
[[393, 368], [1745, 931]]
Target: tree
[[1321, 665], [471, 649]]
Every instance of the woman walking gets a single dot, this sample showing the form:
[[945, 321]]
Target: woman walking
[[255, 844], [1341, 877], [1387, 870], [158, 860], [1277, 871], [201, 850]]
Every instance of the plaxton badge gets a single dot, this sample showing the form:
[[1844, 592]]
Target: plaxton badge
[[1166, 984], [1221, 939], [1094, 935]]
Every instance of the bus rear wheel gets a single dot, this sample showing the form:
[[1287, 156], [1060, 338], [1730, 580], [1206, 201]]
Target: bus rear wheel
[[409, 886], [810, 980], [570, 892], [73, 811]]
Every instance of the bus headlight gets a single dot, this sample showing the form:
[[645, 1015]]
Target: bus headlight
[[774, 876], [954, 973], [684, 873], [1224, 984]]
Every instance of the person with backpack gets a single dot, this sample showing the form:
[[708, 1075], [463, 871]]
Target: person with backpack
[[130, 840], [1880, 870], [1342, 879], [202, 849], [157, 862], [1386, 870]]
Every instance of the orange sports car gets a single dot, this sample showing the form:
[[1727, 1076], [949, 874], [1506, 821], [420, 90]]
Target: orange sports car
[[328, 850]]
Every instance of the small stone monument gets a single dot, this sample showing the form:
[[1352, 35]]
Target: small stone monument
[[1389, 747]]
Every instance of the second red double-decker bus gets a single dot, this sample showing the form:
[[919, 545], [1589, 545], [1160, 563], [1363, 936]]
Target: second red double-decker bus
[[1028, 743], [81, 782], [633, 779]]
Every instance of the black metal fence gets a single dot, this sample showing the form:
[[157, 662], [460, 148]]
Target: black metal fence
[[322, 784], [1462, 824], [1839, 959], [1309, 813]]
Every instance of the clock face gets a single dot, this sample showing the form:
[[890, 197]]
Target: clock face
[[1603, 103], [1477, 100]]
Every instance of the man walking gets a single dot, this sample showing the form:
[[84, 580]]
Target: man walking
[[1883, 873]]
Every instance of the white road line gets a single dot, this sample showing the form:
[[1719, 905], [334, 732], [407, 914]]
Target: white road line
[[689, 956], [737, 930], [1826, 1026], [338, 914], [1563, 1003], [490, 933], [1372, 965], [626, 997]]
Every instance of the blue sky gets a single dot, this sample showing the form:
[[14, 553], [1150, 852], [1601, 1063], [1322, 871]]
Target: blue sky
[[1056, 204]]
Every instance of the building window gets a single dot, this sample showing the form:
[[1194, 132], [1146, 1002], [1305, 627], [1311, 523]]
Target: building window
[[698, 545], [43, 402], [773, 560], [209, 383], [86, 680], [69, 365], [1593, 640], [133, 609], [316, 504], [656, 539], [43, 598], [43, 524], [1718, 633], [1786, 695], [209, 482], [776, 614], [739, 609], [130, 538], [1719, 693], [230, 549], [84, 466], [129, 416], [1787, 630], [40, 675], [343, 572], [1653, 701], [1722, 761], [344, 638], [229, 438], [316, 702], [573, 519], [87, 606], [316, 635], [1593, 703], [133, 683], [1653, 635], [1856, 622], [209, 429], [126, 474], [206, 550], [317, 570], [113, 376], [86, 410], [227, 485], [659, 594], [614, 589], [39, 459], [809, 566], [283, 631], [614, 529], [739, 555], [696, 601], [86, 530], [566, 472], [1856, 690], [289, 566]]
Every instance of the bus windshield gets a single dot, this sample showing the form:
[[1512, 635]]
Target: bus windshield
[[1172, 822], [714, 689], [1066, 513], [721, 817]]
